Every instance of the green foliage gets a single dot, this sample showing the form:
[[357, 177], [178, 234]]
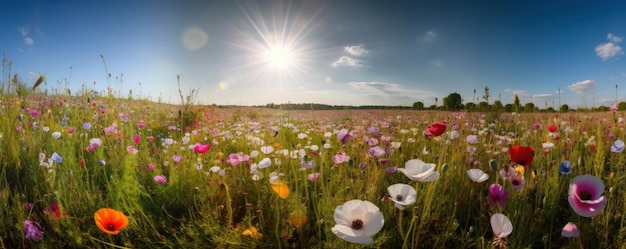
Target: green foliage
[[453, 101]]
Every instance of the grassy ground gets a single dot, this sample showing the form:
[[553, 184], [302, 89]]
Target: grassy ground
[[217, 199]]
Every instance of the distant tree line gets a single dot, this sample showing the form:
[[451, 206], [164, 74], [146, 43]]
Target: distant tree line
[[452, 102]]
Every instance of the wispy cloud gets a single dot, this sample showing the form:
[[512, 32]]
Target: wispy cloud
[[582, 86], [356, 50], [24, 31], [438, 63], [429, 36], [542, 97], [391, 92], [609, 49], [346, 61]]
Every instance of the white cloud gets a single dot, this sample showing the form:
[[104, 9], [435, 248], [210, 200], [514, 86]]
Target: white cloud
[[609, 49], [542, 97], [429, 36], [582, 86], [438, 63], [614, 38], [23, 31], [347, 62], [356, 50], [28, 41]]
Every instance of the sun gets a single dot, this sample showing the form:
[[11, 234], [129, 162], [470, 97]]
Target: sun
[[279, 57]]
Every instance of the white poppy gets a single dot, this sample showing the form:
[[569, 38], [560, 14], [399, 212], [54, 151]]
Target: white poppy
[[477, 175], [417, 170], [403, 195], [501, 225], [357, 221]]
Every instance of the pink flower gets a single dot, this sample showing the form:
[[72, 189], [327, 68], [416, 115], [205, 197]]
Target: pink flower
[[570, 230], [177, 158], [436, 129], [136, 139], [585, 195], [160, 179], [517, 181], [376, 151], [613, 107], [201, 148], [314, 176], [340, 157], [497, 194]]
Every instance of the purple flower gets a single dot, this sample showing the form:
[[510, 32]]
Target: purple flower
[[178, 158], [497, 194], [32, 230], [585, 195], [376, 151], [160, 179]]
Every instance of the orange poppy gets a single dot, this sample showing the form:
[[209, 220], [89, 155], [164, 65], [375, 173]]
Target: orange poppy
[[297, 218], [110, 220], [253, 233], [280, 188], [522, 155]]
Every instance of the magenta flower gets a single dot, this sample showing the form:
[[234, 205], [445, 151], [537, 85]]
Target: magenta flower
[[201, 148], [160, 179], [585, 195], [497, 194]]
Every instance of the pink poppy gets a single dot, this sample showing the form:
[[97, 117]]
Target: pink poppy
[[585, 195], [340, 157], [160, 179], [497, 194], [570, 230]]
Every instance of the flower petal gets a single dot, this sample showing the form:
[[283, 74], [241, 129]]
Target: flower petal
[[501, 225]]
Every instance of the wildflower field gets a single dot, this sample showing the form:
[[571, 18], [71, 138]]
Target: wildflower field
[[93, 171]]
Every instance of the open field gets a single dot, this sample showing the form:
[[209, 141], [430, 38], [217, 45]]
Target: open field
[[207, 177]]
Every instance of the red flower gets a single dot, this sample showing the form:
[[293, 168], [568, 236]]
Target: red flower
[[436, 129], [552, 128], [522, 155]]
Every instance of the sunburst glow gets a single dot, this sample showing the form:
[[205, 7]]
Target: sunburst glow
[[279, 57]]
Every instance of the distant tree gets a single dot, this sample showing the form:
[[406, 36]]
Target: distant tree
[[483, 106], [508, 108], [418, 105], [433, 107], [453, 101], [564, 108], [621, 106], [486, 94], [516, 103], [550, 109], [603, 108], [529, 107], [470, 106], [497, 106]]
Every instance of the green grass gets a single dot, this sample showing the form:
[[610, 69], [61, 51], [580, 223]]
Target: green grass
[[204, 209]]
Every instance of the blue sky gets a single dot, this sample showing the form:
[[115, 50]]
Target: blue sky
[[330, 52]]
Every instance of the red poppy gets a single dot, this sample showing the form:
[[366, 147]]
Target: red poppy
[[552, 128], [110, 220], [436, 129], [522, 155]]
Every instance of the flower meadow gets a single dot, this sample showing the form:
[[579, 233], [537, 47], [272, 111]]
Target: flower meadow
[[93, 171]]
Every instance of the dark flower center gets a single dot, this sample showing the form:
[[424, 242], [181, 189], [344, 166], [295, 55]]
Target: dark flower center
[[585, 195], [515, 182], [399, 197], [357, 224], [111, 227]]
